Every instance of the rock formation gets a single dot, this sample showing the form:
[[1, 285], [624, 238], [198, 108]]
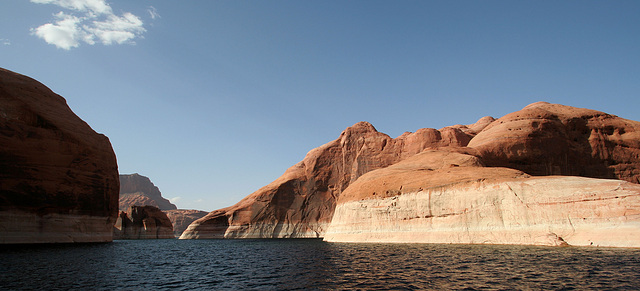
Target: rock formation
[[181, 218], [553, 139], [542, 139], [138, 190], [301, 202], [443, 197], [58, 177], [143, 222]]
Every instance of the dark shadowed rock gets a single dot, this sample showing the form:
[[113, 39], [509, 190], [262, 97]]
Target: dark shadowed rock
[[143, 222], [181, 218], [58, 177]]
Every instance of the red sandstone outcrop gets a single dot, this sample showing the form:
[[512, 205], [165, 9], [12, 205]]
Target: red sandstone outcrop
[[143, 222], [136, 189], [182, 218], [444, 197], [58, 177], [554, 139], [301, 202], [541, 139]]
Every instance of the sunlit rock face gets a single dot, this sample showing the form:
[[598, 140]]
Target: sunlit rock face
[[143, 222], [444, 197], [301, 202], [554, 139], [58, 177], [540, 140], [136, 189]]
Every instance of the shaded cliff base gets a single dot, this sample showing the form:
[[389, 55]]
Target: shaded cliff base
[[21, 227], [142, 222]]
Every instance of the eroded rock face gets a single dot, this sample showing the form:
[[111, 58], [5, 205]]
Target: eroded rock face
[[301, 202], [542, 139], [136, 189], [422, 200], [553, 139], [181, 218], [59, 178], [143, 222]]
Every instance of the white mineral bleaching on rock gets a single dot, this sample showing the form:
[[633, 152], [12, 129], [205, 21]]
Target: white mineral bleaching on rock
[[533, 211]]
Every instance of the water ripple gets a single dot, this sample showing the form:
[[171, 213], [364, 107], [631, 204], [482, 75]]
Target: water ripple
[[314, 265]]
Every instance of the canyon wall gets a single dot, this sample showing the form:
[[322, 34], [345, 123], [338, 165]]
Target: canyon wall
[[59, 178], [469, 203], [182, 218], [136, 189], [541, 139], [143, 222], [301, 202]]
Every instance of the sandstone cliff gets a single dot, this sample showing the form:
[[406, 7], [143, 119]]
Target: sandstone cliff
[[59, 178], [182, 218], [541, 139], [143, 222], [554, 139], [443, 197], [301, 202], [136, 189]]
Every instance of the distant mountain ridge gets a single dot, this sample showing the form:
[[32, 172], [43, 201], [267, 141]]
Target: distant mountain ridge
[[136, 189]]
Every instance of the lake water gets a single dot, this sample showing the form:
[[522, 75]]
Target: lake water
[[301, 264]]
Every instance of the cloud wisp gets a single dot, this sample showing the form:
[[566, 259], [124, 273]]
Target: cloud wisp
[[153, 12], [90, 22]]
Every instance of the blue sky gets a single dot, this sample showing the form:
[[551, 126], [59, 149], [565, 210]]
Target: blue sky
[[214, 99]]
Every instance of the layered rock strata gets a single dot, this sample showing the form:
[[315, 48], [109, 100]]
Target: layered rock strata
[[136, 189], [59, 178], [542, 139], [301, 202], [182, 218], [143, 222], [422, 200]]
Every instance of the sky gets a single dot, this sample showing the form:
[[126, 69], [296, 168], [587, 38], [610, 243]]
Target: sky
[[214, 99]]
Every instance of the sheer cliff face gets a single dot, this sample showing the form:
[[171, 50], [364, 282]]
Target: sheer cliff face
[[541, 139], [301, 202], [422, 200], [59, 178], [138, 190]]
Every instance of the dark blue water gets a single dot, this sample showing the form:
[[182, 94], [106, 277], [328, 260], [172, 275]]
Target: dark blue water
[[313, 264]]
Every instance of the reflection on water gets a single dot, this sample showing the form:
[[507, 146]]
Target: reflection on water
[[313, 264]]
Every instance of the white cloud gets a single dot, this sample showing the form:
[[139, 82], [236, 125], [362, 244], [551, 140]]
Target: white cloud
[[96, 22], [5, 41], [117, 29], [153, 12], [94, 6], [63, 34], [175, 199]]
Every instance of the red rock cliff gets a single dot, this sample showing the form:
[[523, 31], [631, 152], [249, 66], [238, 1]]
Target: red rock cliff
[[554, 139], [541, 139], [301, 202], [136, 189], [58, 177]]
